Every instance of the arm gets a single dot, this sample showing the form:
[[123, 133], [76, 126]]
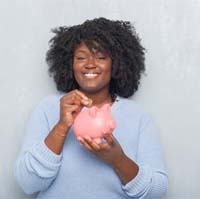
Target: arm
[[146, 178], [151, 180], [112, 153], [36, 166], [41, 154]]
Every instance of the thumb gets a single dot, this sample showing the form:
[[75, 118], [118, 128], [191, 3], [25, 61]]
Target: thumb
[[109, 138]]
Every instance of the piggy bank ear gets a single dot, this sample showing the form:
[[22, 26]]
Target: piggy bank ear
[[106, 107], [93, 111]]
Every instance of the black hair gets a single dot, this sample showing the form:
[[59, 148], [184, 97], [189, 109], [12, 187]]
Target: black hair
[[117, 38]]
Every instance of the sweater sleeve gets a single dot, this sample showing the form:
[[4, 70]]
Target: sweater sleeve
[[36, 166], [151, 180]]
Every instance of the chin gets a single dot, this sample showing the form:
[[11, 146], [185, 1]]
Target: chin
[[91, 90]]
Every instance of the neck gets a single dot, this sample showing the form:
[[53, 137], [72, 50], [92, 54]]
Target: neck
[[99, 99]]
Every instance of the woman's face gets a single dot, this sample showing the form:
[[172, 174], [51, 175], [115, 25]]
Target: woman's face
[[92, 70]]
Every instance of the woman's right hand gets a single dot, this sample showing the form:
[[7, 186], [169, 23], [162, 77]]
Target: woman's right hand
[[70, 105]]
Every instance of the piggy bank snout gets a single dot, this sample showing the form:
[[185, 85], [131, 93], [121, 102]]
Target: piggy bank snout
[[112, 124]]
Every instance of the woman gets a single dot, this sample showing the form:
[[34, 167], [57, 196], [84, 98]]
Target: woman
[[97, 62]]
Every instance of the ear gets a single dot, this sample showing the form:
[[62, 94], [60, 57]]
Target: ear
[[106, 107], [93, 111]]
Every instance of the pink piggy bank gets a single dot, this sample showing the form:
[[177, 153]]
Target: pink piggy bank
[[93, 122]]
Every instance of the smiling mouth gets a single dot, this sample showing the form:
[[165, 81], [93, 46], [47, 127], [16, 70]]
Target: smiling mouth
[[91, 75]]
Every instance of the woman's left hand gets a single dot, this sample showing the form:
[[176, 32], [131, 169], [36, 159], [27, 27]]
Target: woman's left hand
[[110, 151]]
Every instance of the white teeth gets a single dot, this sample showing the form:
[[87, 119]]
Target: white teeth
[[90, 75]]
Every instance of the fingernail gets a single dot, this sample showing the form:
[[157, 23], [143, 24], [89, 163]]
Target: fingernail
[[84, 101], [85, 97], [79, 139], [69, 124], [87, 102], [90, 102]]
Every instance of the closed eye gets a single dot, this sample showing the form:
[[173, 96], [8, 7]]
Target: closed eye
[[101, 57], [80, 58]]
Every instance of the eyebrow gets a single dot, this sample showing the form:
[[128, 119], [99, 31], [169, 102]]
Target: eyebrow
[[81, 51], [85, 51]]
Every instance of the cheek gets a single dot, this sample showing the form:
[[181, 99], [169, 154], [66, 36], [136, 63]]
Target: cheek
[[75, 74], [109, 75], [108, 71], [75, 69]]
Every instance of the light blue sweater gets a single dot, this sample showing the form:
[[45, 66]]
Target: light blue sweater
[[78, 174]]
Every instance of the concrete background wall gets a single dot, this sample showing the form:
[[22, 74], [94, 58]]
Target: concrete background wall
[[170, 32]]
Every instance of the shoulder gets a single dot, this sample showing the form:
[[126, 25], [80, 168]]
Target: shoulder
[[134, 113], [129, 108], [129, 105], [50, 101]]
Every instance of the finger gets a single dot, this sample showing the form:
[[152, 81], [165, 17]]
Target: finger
[[71, 98], [80, 139], [108, 138], [68, 113], [82, 95], [79, 100], [69, 119], [91, 143], [104, 146], [114, 139], [71, 108], [97, 140], [72, 114], [84, 99], [87, 103], [86, 145], [75, 98]]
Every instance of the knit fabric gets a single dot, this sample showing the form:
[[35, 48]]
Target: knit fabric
[[78, 174]]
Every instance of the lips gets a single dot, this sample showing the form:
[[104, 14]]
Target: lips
[[90, 75]]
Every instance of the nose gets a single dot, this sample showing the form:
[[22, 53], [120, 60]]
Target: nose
[[90, 63]]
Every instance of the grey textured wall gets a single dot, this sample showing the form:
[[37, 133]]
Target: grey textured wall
[[170, 32]]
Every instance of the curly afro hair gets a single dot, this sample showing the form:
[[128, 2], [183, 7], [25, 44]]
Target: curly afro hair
[[117, 38]]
